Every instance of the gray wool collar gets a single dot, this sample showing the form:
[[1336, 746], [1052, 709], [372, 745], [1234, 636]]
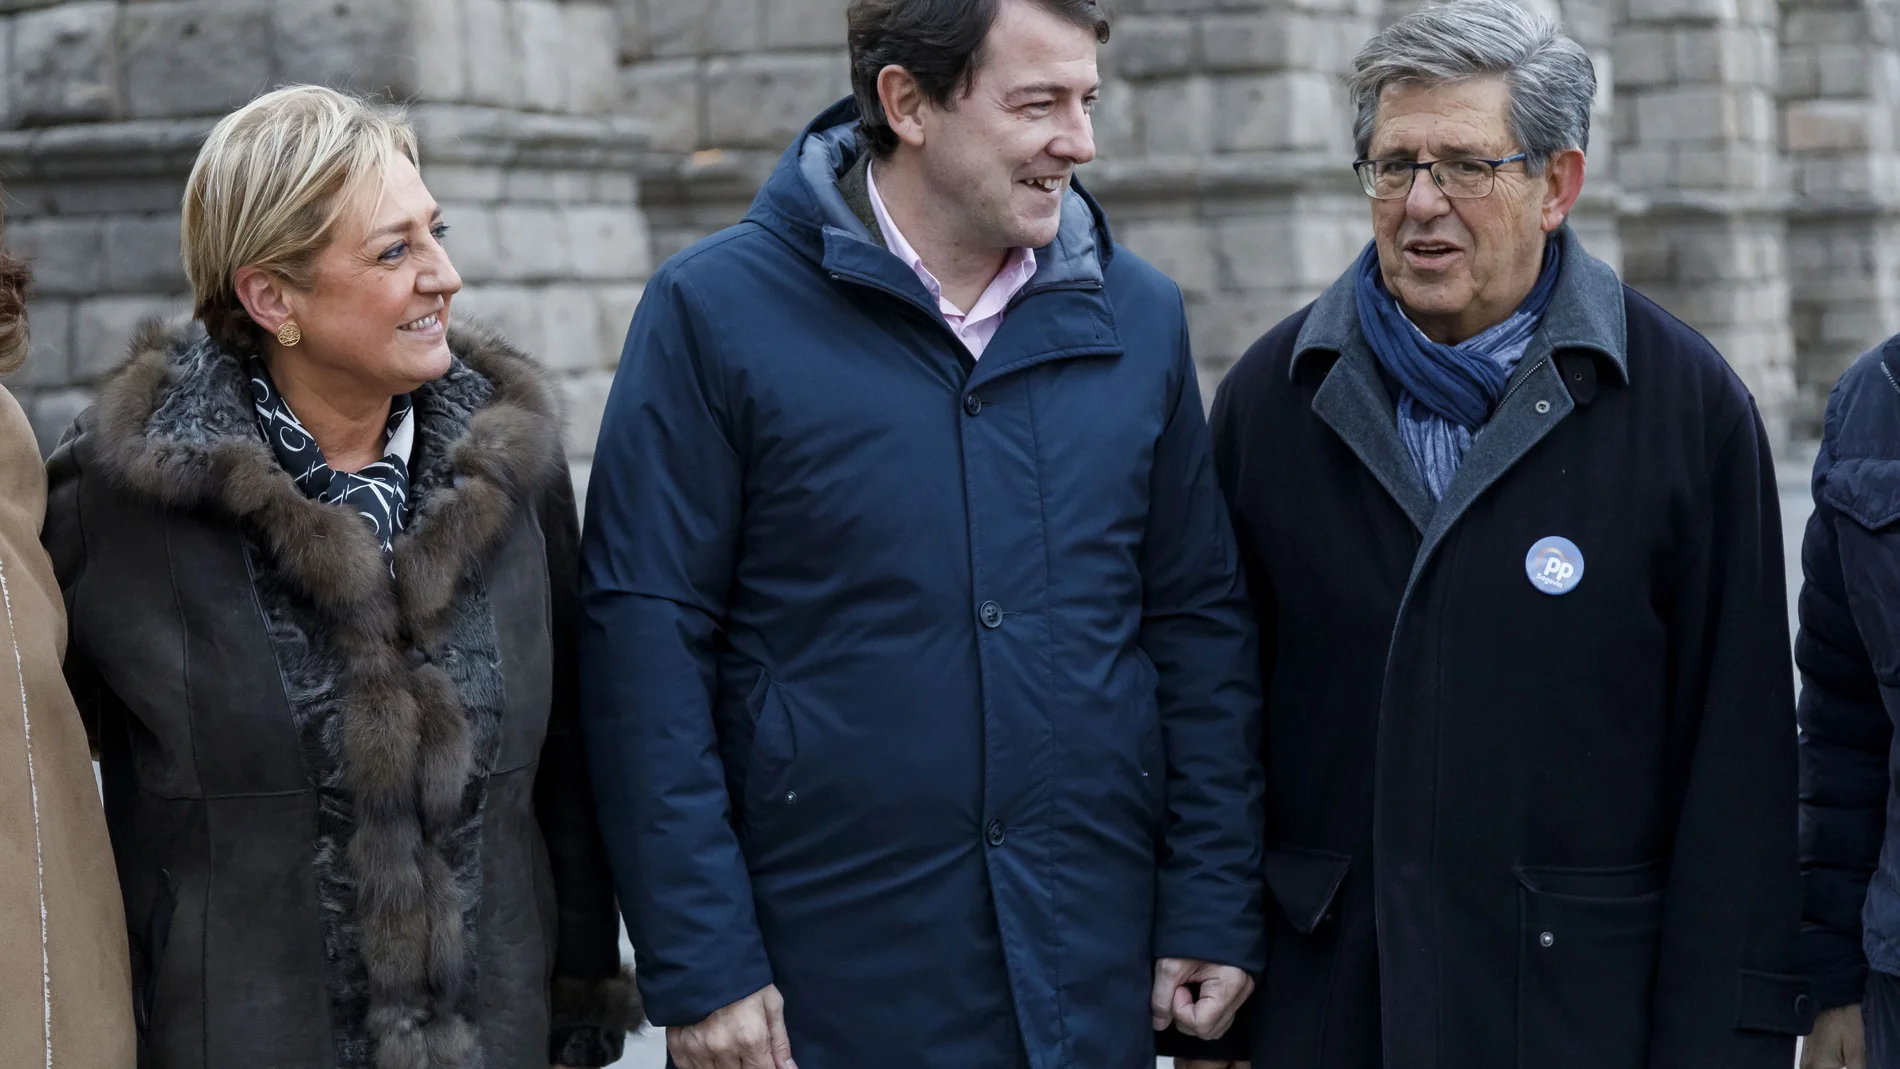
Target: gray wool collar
[[1586, 312]]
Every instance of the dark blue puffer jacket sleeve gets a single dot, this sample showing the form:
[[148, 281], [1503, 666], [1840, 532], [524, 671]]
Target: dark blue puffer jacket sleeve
[[663, 513], [1845, 733], [1198, 630]]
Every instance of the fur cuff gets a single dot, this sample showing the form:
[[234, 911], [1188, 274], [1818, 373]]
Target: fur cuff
[[591, 1019], [607, 1002]]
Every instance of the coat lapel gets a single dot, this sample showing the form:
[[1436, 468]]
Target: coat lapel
[[1354, 403]]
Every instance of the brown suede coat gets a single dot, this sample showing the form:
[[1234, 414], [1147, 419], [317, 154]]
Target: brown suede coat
[[65, 986]]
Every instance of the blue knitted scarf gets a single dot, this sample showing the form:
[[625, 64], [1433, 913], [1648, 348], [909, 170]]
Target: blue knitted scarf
[[1446, 392]]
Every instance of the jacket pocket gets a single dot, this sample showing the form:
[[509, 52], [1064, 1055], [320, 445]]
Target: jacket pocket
[[772, 758], [1587, 947], [1865, 492], [149, 953], [1305, 882]]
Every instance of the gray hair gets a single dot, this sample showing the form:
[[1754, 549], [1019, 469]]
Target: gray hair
[[1549, 75]]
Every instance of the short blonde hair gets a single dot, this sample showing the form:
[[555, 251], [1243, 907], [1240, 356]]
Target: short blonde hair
[[268, 187]]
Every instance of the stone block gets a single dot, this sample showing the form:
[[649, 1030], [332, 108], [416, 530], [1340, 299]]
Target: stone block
[[1291, 251], [631, 22], [1729, 55], [1176, 116], [585, 399], [1145, 46], [1812, 25], [6, 73], [65, 63], [613, 307], [1699, 114], [1181, 248], [1711, 11], [570, 327], [1645, 55], [511, 311], [1116, 122], [1222, 326], [462, 183], [471, 242], [1800, 71], [49, 324], [1849, 70], [1832, 125], [438, 41], [1645, 167], [1589, 22], [609, 242], [701, 27], [358, 46], [103, 328], [1278, 112], [807, 23], [1734, 168], [142, 255], [764, 101], [532, 243], [194, 58], [1262, 41], [541, 33], [68, 254], [666, 93], [593, 67], [494, 54]]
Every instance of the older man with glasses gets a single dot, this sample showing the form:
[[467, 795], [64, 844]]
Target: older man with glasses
[[1512, 538]]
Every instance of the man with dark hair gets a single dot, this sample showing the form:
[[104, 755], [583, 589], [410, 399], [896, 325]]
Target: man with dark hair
[[920, 685]]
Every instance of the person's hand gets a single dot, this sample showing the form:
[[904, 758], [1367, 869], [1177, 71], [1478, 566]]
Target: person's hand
[[749, 1034], [1837, 1040], [1206, 1015]]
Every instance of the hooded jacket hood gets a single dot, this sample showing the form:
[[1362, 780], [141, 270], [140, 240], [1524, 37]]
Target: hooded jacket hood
[[801, 204]]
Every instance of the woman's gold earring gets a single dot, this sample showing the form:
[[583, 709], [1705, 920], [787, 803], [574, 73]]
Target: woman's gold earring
[[289, 334]]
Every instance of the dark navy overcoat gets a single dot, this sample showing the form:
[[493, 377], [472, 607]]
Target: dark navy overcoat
[[921, 687]]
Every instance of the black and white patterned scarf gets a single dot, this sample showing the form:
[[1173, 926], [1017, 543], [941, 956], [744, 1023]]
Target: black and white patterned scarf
[[379, 492]]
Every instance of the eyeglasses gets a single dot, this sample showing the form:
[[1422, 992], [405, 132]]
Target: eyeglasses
[[1463, 179]]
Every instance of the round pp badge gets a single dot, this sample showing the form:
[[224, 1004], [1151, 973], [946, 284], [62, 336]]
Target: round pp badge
[[1555, 565]]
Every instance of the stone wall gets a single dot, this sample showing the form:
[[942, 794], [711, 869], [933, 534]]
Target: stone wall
[[1741, 171]]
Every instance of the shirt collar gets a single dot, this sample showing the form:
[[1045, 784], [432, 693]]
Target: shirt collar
[[1015, 274]]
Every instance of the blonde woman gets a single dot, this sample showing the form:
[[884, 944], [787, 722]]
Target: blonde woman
[[319, 548], [65, 988]]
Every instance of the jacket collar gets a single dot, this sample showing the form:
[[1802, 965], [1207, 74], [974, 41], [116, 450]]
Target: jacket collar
[[1586, 312], [804, 203]]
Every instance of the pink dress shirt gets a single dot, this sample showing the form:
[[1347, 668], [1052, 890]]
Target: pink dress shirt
[[976, 327]]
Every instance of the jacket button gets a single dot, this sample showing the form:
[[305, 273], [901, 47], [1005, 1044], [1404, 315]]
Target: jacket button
[[1546, 939], [1543, 407], [1801, 1005], [994, 833], [972, 404], [791, 797], [991, 614]]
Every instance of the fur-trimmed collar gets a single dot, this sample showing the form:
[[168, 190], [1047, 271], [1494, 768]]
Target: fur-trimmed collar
[[175, 425]]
